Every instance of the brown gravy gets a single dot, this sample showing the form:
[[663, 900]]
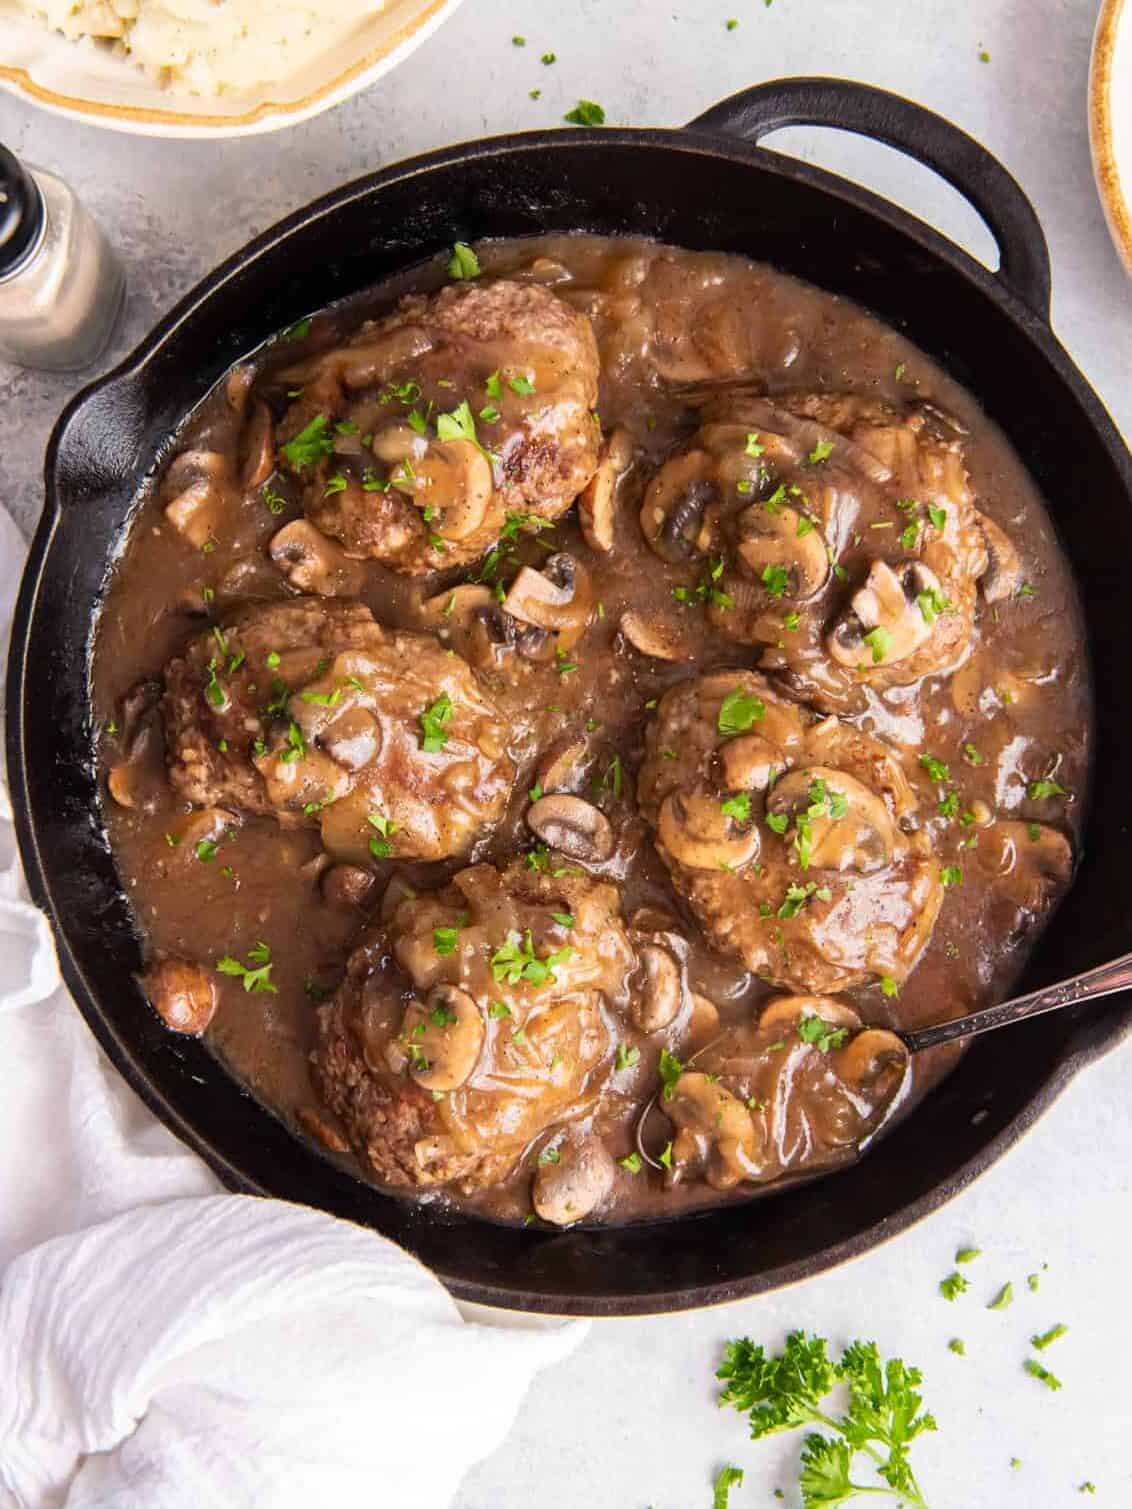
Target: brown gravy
[[1017, 709]]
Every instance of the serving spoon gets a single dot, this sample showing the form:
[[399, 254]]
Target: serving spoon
[[1091, 985]]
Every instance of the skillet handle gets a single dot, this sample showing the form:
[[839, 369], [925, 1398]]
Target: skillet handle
[[921, 134]]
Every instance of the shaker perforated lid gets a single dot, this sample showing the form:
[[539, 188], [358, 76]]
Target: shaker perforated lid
[[21, 211]]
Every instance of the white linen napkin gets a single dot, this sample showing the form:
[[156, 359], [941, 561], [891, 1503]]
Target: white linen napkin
[[166, 1346]]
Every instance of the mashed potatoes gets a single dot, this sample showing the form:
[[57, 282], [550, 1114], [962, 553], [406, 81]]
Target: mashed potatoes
[[210, 46]]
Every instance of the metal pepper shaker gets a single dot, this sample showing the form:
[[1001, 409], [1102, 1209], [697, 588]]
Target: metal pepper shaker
[[61, 284]]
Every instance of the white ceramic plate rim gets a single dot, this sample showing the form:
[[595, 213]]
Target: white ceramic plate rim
[[187, 118], [1110, 132]]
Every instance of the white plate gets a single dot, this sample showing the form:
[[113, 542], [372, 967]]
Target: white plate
[[88, 83], [1110, 119]]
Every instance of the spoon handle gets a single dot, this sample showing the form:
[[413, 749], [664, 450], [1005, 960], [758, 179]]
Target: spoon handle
[[1094, 984]]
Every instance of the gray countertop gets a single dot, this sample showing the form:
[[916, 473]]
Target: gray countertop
[[630, 1420]]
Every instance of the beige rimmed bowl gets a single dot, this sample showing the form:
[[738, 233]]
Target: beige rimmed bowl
[[88, 83], [1110, 120]]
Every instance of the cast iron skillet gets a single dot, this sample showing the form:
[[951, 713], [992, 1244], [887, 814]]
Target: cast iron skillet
[[707, 186]]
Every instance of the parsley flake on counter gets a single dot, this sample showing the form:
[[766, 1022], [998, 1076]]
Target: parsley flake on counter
[[463, 264], [738, 711], [1047, 1338], [1042, 1374], [548, 58], [434, 720], [257, 981], [1003, 1299], [957, 1345], [727, 1477], [310, 444], [968, 1254], [953, 1286], [884, 1415], [586, 113], [518, 41]]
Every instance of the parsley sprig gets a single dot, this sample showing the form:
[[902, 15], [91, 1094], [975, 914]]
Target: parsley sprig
[[787, 1392], [256, 976]]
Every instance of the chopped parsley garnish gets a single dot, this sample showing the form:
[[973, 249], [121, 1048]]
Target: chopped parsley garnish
[[753, 448], [932, 604], [936, 769], [206, 851], [812, 1029], [460, 424], [256, 980], [797, 896], [335, 484], [549, 1155], [666, 1156], [879, 641], [274, 503], [951, 875], [516, 960], [910, 537], [1026, 590], [972, 754], [434, 724], [791, 620], [380, 847], [884, 1414], [521, 384], [821, 452], [310, 444], [497, 1009], [564, 919], [626, 1057], [938, 516], [323, 699], [738, 711], [1038, 791], [737, 806], [889, 987], [445, 939], [296, 748], [776, 579], [463, 263], [953, 1286], [586, 113], [670, 1069], [631, 1163]]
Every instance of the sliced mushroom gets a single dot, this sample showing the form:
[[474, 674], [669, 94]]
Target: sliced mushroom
[[1004, 570], [873, 1061], [559, 598], [862, 838], [445, 1037], [716, 1131], [655, 637], [458, 607], [885, 623], [788, 1011], [257, 448], [196, 486], [312, 563], [677, 500], [454, 481], [572, 826], [348, 887], [778, 538], [182, 993], [750, 763], [571, 1186], [563, 767], [658, 1001], [696, 832], [1030, 862], [597, 501]]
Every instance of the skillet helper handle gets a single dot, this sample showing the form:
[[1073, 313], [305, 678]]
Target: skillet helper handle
[[919, 133]]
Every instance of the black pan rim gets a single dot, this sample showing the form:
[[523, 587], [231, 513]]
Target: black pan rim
[[689, 142]]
